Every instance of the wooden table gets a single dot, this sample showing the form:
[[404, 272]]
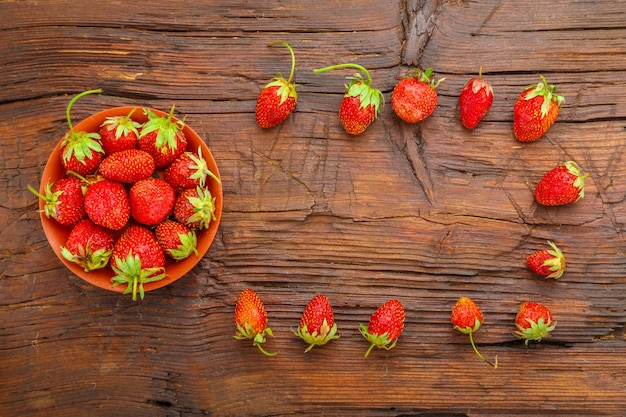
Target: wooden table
[[422, 213]]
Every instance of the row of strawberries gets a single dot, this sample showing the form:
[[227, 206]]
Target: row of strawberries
[[111, 177]]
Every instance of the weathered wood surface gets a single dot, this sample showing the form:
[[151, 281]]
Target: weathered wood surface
[[421, 213]]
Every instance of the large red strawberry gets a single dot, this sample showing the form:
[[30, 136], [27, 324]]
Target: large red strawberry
[[81, 152], [277, 100], [361, 102], [119, 133], [547, 262], [163, 138], [129, 165], [177, 240], [561, 185], [151, 200], [475, 100], [385, 326], [195, 208], [136, 260], [251, 319], [63, 200], [535, 110], [467, 318], [414, 97], [89, 245], [533, 322], [189, 170], [106, 204], [317, 324]]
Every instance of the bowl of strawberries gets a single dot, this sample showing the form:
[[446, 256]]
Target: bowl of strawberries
[[130, 198]]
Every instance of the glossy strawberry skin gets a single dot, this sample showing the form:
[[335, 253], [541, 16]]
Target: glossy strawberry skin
[[63, 201], [106, 204], [195, 208], [561, 185], [128, 166], [270, 111], [535, 111], [89, 245], [119, 133], [353, 117], [151, 200], [177, 240], [189, 170], [466, 316], [251, 319], [385, 326], [317, 324], [475, 101], [549, 263], [533, 321], [414, 97], [140, 241], [163, 138], [87, 166]]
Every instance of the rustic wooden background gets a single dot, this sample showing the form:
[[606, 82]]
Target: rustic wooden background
[[422, 213]]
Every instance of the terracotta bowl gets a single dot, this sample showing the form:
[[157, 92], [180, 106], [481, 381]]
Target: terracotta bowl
[[57, 234]]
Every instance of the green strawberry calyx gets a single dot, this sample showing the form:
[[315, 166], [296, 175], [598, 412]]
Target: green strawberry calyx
[[86, 258], [325, 334], [286, 89], [573, 168], [129, 271], [378, 340], [80, 144], [426, 77], [188, 245], [556, 263], [547, 91], [535, 330], [203, 207], [166, 128], [123, 125], [247, 332], [51, 200], [201, 169]]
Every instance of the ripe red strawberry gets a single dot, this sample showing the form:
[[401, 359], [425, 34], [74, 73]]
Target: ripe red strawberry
[[162, 138], [151, 201], [361, 102], [195, 208], [414, 98], [119, 133], [106, 204], [547, 262], [89, 245], [251, 320], [81, 152], [63, 200], [129, 165], [535, 110], [317, 324], [385, 326], [561, 185], [475, 100], [189, 170], [533, 322], [277, 100], [137, 259], [466, 317], [177, 240]]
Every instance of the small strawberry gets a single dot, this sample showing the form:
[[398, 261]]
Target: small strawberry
[[89, 245], [277, 100], [414, 97], [466, 317], [475, 100], [137, 259], [361, 102], [547, 262], [81, 152], [195, 208], [317, 324], [561, 185], [151, 201], [106, 204], [533, 321], [177, 240], [129, 165], [251, 319], [189, 170], [385, 326], [119, 133], [535, 110], [63, 201], [162, 138]]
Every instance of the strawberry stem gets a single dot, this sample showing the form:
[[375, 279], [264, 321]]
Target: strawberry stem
[[73, 100], [494, 364], [293, 57], [340, 66]]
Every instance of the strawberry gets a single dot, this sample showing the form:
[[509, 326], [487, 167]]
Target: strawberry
[[251, 320], [277, 100], [81, 152], [189, 170], [63, 200], [195, 208], [414, 97], [106, 204], [151, 200], [547, 262], [129, 165], [177, 240], [475, 100], [361, 102], [162, 138], [561, 185], [533, 321], [466, 317], [119, 133], [385, 326], [89, 245], [137, 259], [535, 110], [317, 324]]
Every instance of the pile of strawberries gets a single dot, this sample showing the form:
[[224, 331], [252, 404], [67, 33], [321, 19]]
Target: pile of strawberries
[[133, 196]]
